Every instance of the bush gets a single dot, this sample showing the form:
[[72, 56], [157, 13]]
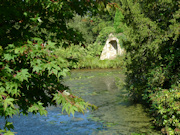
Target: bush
[[166, 109], [153, 57]]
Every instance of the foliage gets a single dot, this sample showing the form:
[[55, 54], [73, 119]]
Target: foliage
[[167, 105], [31, 78], [153, 56], [97, 28], [103, 35], [89, 57], [82, 25], [119, 21], [93, 63], [102, 23], [45, 19], [30, 72], [116, 29], [99, 22]]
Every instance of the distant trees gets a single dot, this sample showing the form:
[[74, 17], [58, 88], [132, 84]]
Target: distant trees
[[119, 21], [82, 26]]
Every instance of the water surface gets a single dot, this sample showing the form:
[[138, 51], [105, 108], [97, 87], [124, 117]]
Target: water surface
[[116, 115]]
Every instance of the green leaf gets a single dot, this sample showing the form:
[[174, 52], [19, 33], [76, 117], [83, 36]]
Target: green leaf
[[22, 75], [8, 57], [12, 88], [37, 69], [20, 50], [38, 108], [8, 69], [9, 133], [25, 14], [8, 101]]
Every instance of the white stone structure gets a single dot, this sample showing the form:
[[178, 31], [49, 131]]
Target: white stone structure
[[111, 48]]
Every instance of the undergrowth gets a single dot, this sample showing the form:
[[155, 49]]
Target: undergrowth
[[79, 57]]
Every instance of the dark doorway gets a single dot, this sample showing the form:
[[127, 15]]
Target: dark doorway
[[114, 44]]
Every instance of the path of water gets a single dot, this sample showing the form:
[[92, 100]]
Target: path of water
[[115, 115]]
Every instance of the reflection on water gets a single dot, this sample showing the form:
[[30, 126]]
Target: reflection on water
[[115, 114]]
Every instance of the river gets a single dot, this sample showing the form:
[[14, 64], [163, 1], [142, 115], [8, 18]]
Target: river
[[116, 114]]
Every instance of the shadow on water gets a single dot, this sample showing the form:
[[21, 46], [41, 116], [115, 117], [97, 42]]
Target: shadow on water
[[116, 115]]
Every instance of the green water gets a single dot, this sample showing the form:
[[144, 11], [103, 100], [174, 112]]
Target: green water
[[116, 114], [104, 89]]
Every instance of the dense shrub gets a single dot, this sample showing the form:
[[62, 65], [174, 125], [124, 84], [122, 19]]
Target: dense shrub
[[153, 57], [166, 109]]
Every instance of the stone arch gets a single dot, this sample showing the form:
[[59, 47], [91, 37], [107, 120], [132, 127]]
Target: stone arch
[[111, 49]]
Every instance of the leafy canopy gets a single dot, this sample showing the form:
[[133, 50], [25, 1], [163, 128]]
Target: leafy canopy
[[30, 72]]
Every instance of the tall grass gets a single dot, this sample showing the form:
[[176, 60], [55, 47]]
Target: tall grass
[[78, 57], [95, 62]]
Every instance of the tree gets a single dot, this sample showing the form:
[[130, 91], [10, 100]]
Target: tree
[[30, 73], [153, 57], [82, 25], [118, 21], [44, 18]]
